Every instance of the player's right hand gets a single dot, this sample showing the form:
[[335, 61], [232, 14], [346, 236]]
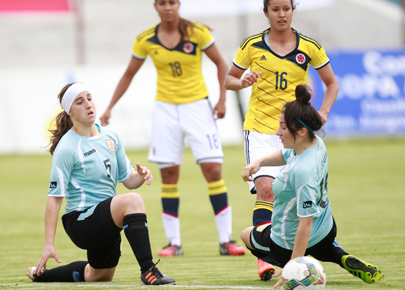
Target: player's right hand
[[49, 252], [105, 117], [250, 78], [249, 170]]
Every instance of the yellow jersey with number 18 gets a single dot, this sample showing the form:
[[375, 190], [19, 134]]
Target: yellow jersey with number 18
[[180, 78], [279, 77]]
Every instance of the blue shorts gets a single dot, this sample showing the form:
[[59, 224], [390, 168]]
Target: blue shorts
[[94, 230]]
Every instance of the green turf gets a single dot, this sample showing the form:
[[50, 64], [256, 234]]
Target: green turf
[[366, 188]]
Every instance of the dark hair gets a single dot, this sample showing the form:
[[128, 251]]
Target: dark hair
[[266, 4], [301, 109], [184, 25], [63, 124]]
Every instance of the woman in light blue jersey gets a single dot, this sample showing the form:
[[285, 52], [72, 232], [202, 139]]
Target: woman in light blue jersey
[[88, 162], [302, 222]]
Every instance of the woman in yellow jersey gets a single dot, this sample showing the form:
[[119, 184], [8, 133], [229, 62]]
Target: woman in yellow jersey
[[279, 60], [182, 110]]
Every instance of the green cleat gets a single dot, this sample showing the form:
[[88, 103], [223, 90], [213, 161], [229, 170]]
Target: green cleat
[[366, 272]]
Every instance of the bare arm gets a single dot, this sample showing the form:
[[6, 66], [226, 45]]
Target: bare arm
[[274, 159], [133, 67], [136, 179], [332, 89], [234, 82], [213, 53], [300, 243], [51, 220], [302, 237]]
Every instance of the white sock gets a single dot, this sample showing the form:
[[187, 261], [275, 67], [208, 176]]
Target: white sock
[[172, 228], [224, 224]]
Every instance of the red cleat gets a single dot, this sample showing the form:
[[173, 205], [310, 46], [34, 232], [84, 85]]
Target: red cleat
[[171, 251], [265, 270], [231, 248]]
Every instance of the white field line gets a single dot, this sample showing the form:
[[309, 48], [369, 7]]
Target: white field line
[[97, 286], [80, 285]]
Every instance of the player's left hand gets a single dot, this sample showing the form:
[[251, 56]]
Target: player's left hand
[[324, 117], [279, 282], [219, 110], [145, 173]]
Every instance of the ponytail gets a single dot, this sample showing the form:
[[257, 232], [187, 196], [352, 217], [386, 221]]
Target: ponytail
[[63, 124], [300, 113]]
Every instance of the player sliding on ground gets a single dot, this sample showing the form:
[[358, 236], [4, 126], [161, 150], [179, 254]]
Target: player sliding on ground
[[279, 59], [88, 162], [302, 222]]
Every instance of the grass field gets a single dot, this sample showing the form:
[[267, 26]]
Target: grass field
[[366, 188]]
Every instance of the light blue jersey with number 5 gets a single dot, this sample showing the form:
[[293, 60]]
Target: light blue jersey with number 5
[[86, 170], [301, 191]]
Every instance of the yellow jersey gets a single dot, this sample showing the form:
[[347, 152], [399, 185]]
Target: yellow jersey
[[180, 78], [279, 77]]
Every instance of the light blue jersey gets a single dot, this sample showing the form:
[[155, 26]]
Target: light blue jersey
[[301, 191], [86, 170]]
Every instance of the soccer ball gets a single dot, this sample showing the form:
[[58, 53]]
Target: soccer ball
[[303, 273]]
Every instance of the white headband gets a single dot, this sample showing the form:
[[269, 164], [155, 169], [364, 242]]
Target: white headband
[[70, 95]]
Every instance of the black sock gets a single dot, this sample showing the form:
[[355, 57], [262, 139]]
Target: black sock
[[136, 231], [73, 272]]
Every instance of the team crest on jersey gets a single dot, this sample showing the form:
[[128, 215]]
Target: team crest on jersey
[[110, 144], [300, 58], [188, 47]]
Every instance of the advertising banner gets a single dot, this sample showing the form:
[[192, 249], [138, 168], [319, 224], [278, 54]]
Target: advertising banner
[[371, 96], [24, 6]]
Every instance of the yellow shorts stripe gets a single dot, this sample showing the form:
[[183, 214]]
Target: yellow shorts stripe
[[217, 187], [170, 191]]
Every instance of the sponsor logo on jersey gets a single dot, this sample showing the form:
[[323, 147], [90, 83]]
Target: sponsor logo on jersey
[[188, 47], [88, 153], [300, 58], [323, 204], [53, 184], [110, 144], [307, 204], [263, 58]]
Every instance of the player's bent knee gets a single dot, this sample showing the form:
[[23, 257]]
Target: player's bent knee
[[135, 201], [99, 275], [245, 236]]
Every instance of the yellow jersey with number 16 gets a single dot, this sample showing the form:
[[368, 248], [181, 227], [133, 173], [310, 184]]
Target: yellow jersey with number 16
[[180, 78], [279, 77]]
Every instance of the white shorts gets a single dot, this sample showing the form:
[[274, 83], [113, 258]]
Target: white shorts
[[258, 145], [173, 123]]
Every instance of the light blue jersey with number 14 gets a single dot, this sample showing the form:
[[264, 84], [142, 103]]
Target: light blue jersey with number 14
[[86, 170], [301, 191]]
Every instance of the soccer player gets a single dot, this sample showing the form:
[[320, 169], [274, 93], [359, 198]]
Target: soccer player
[[302, 222], [279, 60], [182, 110], [88, 162]]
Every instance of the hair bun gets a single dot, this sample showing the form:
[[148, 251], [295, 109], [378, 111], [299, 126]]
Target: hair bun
[[303, 94]]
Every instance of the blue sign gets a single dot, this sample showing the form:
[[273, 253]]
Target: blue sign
[[371, 95]]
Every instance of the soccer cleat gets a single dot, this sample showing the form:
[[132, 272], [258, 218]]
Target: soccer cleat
[[171, 250], [154, 277], [366, 272], [31, 274], [231, 248], [265, 270]]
